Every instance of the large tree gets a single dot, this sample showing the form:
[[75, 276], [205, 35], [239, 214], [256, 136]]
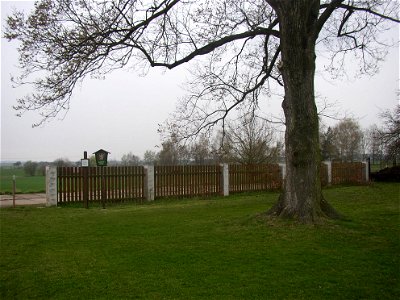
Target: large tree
[[241, 49]]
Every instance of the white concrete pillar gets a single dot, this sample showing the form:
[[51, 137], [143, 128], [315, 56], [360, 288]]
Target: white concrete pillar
[[366, 170], [329, 165], [149, 192], [283, 170], [225, 179], [51, 186]]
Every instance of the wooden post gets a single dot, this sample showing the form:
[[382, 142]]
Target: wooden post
[[103, 188], [14, 189], [85, 187], [85, 178]]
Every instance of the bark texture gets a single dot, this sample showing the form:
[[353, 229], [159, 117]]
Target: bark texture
[[301, 198]]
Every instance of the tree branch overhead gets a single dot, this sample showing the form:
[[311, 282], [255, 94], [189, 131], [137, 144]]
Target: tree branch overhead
[[69, 40]]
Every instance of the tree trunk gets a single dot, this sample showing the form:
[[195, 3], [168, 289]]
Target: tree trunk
[[301, 198]]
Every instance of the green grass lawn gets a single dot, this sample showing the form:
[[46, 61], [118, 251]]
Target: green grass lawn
[[24, 184], [203, 249]]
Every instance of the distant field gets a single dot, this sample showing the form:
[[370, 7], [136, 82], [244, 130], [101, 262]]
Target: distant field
[[24, 184]]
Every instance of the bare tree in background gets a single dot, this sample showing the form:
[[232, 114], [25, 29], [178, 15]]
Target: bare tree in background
[[150, 157], [200, 151], [30, 168], [390, 133], [130, 159], [346, 139], [62, 162], [251, 141], [240, 50], [375, 144], [328, 149], [173, 153]]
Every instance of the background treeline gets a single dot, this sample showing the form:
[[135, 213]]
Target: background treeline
[[256, 141], [346, 141]]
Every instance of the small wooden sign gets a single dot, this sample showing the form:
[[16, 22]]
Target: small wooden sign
[[101, 157]]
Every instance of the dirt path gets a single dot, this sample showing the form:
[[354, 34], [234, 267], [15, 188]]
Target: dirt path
[[23, 199]]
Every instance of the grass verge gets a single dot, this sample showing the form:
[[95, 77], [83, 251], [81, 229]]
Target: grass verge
[[203, 249]]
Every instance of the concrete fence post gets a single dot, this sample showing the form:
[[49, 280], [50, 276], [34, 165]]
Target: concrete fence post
[[149, 192], [225, 179], [329, 165], [283, 171], [51, 186], [366, 163]]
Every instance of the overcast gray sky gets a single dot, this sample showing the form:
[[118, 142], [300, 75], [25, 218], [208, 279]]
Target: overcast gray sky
[[121, 113]]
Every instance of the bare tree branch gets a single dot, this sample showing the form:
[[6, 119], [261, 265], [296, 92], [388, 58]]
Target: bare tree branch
[[63, 42]]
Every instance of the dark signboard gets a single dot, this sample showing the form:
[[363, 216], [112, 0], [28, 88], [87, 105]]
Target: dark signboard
[[101, 157]]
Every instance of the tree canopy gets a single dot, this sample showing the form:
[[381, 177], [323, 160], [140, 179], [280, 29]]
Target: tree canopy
[[65, 41]]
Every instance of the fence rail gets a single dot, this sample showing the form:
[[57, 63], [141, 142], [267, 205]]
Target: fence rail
[[128, 183]]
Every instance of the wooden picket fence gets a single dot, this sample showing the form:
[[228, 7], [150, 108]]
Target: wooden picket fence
[[120, 183], [348, 173], [246, 178], [187, 181]]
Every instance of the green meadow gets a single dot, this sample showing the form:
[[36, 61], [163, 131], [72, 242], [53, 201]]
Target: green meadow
[[219, 248], [24, 184]]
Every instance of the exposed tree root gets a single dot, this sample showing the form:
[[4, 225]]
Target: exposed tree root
[[329, 211], [306, 215]]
